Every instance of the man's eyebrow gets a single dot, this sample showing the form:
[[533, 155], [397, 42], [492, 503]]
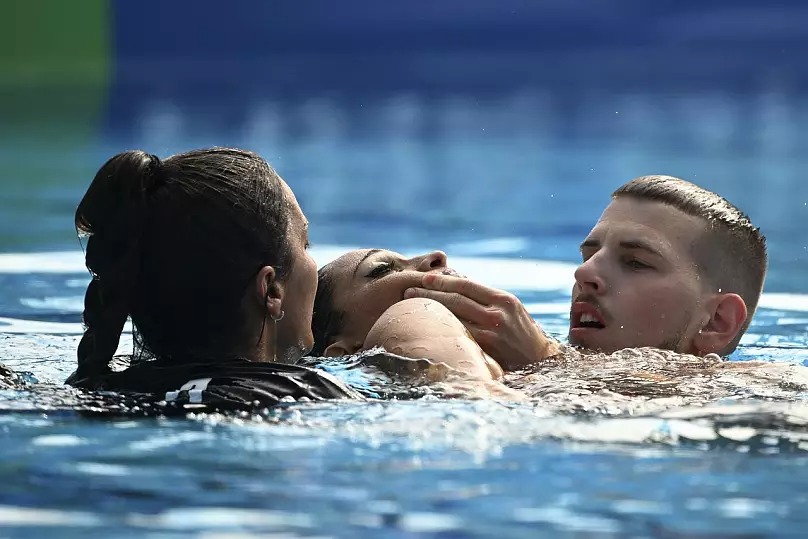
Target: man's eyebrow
[[639, 244], [626, 244], [369, 253], [590, 243]]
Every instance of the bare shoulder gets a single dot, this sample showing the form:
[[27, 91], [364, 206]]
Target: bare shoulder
[[419, 316], [423, 328]]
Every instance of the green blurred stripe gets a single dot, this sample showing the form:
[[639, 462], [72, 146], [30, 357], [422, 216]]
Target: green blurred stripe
[[55, 61], [55, 41]]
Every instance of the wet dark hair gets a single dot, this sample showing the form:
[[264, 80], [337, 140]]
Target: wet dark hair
[[731, 254], [326, 321], [174, 244]]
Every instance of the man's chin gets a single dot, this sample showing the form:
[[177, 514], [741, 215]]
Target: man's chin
[[596, 343], [589, 342], [581, 339]]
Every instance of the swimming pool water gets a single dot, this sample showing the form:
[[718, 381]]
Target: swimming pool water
[[428, 467], [506, 173]]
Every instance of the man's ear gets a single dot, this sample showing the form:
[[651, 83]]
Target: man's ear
[[269, 292], [727, 316], [342, 347]]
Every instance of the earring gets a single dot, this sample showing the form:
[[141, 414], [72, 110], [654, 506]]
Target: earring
[[275, 335]]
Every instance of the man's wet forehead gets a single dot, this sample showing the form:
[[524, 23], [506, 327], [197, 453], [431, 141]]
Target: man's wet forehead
[[647, 219]]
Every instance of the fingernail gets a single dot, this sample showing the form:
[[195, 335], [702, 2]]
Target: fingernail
[[410, 293]]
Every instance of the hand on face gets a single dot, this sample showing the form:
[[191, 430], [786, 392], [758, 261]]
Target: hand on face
[[496, 319]]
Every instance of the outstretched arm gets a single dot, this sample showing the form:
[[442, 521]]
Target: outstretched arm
[[496, 319]]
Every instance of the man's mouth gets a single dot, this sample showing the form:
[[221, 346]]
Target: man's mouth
[[585, 315]]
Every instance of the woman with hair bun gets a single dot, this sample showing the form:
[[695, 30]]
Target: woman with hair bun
[[205, 251]]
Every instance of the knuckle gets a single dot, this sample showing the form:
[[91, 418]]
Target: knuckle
[[494, 317], [441, 284], [415, 293], [505, 298]]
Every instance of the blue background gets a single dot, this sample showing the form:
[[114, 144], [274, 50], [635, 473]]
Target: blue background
[[423, 124]]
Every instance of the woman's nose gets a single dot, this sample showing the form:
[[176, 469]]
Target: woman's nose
[[431, 261]]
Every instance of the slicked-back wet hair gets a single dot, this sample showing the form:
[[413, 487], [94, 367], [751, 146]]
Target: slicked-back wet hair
[[174, 244], [730, 254]]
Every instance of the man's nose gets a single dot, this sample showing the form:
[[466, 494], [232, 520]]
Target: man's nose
[[430, 261], [589, 276]]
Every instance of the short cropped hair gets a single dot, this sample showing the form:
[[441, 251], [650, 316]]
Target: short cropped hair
[[730, 254]]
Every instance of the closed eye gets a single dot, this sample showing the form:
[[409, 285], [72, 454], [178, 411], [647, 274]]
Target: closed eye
[[380, 269]]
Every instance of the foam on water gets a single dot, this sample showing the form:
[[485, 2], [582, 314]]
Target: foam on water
[[17, 326], [52, 262], [784, 302]]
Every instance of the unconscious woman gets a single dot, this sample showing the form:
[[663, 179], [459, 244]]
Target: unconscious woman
[[206, 253], [360, 305]]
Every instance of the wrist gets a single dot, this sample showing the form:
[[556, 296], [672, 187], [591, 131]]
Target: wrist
[[546, 345]]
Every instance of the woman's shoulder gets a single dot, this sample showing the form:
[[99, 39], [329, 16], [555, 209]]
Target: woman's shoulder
[[424, 328], [226, 385]]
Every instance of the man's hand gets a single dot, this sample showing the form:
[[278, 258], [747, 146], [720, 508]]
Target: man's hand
[[496, 319]]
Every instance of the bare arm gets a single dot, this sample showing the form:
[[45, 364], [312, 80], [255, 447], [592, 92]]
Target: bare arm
[[496, 319], [423, 328]]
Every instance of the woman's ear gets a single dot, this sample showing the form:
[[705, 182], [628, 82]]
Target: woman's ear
[[269, 292], [727, 317]]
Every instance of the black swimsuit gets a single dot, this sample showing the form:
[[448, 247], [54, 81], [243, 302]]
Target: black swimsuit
[[232, 384]]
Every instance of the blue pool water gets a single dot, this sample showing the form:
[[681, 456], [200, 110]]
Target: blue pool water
[[502, 159]]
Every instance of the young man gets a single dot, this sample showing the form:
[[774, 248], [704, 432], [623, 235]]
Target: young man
[[669, 265]]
